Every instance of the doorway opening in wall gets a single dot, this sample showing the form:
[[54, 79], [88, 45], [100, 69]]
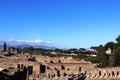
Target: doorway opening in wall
[[51, 61], [49, 75], [62, 67], [80, 68], [100, 73], [113, 73], [11, 67], [65, 74], [59, 61], [30, 69], [42, 68], [18, 66], [85, 72], [25, 70], [58, 73], [118, 73]]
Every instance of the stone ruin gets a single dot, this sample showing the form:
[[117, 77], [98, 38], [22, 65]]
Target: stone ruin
[[55, 68], [104, 73]]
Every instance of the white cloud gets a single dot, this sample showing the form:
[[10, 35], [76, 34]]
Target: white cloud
[[10, 40], [38, 41], [48, 42], [20, 41]]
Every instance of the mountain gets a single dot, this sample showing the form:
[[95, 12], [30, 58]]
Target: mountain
[[44, 47], [27, 45]]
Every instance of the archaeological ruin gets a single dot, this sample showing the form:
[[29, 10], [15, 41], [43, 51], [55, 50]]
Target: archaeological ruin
[[23, 66]]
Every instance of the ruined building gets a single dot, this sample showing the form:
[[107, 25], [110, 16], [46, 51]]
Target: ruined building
[[14, 66]]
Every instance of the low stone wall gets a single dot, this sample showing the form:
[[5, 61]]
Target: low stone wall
[[104, 73], [103, 79]]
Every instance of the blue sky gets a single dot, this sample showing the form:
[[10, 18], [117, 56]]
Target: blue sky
[[61, 23]]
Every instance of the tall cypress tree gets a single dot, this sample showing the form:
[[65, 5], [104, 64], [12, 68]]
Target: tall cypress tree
[[4, 47]]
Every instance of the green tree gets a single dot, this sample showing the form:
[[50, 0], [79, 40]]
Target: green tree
[[4, 47], [118, 40], [28, 49], [117, 52], [102, 57], [111, 61], [19, 50], [110, 45], [58, 50], [117, 56], [94, 47], [82, 49], [73, 49], [101, 52]]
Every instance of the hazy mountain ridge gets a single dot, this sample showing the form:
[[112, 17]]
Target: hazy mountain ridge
[[28, 45]]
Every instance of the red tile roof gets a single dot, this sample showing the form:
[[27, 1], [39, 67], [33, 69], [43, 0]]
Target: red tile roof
[[68, 63]]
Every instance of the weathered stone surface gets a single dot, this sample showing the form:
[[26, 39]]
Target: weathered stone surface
[[45, 67]]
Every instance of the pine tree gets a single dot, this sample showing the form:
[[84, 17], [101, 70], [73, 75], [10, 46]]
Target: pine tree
[[102, 57], [117, 52]]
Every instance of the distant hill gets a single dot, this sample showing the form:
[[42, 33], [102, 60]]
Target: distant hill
[[27, 45]]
